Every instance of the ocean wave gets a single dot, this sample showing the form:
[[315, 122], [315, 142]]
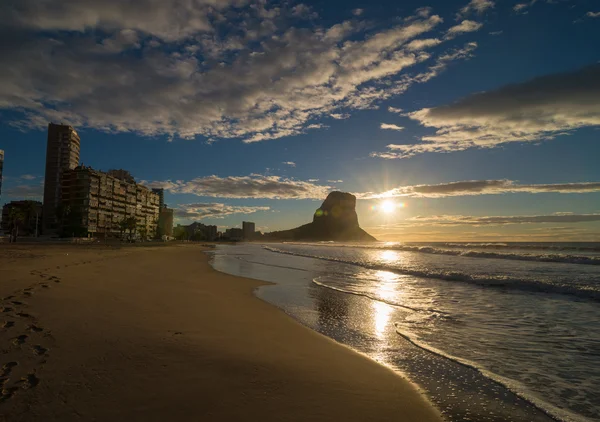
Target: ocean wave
[[516, 387], [531, 285], [565, 259], [539, 246], [319, 282], [562, 258]]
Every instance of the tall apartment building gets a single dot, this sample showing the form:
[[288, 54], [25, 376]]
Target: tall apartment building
[[94, 203], [165, 220], [161, 195], [62, 153], [248, 228], [1, 166]]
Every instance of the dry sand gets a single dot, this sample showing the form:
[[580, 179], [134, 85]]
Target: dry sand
[[155, 334]]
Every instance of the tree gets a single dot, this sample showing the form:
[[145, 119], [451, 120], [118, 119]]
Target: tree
[[144, 233], [131, 226], [123, 227], [16, 218]]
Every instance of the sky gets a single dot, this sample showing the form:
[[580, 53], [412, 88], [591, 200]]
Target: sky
[[449, 120]]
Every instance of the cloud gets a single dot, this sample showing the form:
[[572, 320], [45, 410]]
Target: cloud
[[391, 126], [593, 14], [289, 163], [476, 6], [212, 210], [28, 177], [18, 192], [537, 110], [358, 12], [481, 187], [340, 116], [253, 186], [394, 110], [463, 27], [422, 44], [211, 68], [335, 181], [496, 33], [460, 220]]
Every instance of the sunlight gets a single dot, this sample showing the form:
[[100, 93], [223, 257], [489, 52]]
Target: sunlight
[[388, 207]]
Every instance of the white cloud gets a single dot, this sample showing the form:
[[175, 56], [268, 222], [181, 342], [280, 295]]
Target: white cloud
[[391, 126], [422, 44], [496, 32], [460, 220], [28, 177], [481, 187], [463, 27], [520, 7], [593, 14], [395, 110], [340, 116], [218, 69], [476, 6], [253, 186], [212, 210], [540, 109], [289, 163], [358, 12]]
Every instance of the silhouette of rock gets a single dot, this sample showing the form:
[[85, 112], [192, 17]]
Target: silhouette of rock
[[335, 219]]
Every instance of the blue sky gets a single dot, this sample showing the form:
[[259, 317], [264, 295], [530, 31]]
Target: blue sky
[[255, 110]]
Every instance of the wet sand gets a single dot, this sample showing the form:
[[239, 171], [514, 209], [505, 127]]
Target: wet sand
[[155, 334]]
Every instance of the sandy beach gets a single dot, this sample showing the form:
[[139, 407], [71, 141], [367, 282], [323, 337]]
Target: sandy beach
[[154, 334]]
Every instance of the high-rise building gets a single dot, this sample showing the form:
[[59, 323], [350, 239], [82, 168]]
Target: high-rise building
[[165, 221], [96, 204], [62, 153], [248, 229], [161, 195], [1, 165]]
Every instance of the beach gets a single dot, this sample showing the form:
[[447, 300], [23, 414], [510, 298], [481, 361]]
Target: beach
[[154, 333]]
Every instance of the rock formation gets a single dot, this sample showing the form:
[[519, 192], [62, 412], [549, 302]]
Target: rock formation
[[335, 219]]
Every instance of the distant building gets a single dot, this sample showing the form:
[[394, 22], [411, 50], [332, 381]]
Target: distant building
[[196, 231], [30, 220], [96, 204], [62, 153], [165, 221], [161, 196], [248, 229], [234, 234], [1, 166]]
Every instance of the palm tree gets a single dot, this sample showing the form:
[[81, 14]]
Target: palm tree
[[16, 217], [131, 223]]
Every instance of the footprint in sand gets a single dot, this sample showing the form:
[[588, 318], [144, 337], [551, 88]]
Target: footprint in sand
[[8, 297], [19, 340], [45, 286], [24, 315], [8, 324], [35, 328], [7, 369], [5, 309], [39, 350], [30, 381], [16, 302]]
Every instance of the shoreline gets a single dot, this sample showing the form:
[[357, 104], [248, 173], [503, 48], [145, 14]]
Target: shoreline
[[158, 334]]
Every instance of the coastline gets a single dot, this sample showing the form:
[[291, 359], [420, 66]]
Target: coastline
[[155, 333]]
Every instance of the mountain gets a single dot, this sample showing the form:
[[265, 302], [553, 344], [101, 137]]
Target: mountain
[[335, 219]]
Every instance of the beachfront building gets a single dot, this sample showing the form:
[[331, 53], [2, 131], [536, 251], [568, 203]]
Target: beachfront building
[[233, 234], [248, 229], [161, 196], [25, 216], [1, 166], [165, 221], [62, 153], [96, 204]]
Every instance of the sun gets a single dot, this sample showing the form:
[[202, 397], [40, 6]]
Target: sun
[[388, 207]]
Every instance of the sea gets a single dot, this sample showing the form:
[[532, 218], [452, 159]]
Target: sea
[[487, 331]]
